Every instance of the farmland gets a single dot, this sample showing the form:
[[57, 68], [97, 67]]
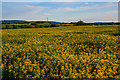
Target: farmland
[[61, 52]]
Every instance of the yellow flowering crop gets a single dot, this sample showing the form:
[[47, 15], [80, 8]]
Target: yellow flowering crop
[[61, 52]]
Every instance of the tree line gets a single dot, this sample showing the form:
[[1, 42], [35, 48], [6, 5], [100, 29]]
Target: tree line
[[47, 24]]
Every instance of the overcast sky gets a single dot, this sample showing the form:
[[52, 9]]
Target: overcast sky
[[61, 11]]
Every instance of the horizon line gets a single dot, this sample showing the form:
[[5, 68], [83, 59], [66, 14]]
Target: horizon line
[[60, 21]]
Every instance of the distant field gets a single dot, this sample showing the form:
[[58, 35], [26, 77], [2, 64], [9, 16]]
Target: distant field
[[61, 52]]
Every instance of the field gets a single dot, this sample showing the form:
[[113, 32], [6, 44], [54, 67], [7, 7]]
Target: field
[[61, 52]]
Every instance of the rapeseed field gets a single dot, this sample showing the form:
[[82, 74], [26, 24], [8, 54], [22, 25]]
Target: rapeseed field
[[61, 52]]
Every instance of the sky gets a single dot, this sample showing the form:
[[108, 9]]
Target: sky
[[60, 11], [60, 0]]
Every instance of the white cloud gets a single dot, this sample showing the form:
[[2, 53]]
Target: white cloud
[[22, 11], [111, 12], [47, 14], [83, 8], [36, 9]]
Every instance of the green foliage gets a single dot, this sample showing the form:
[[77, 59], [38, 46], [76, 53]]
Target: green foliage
[[79, 23], [3, 26], [9, 27], [53, 25], [33, 23]]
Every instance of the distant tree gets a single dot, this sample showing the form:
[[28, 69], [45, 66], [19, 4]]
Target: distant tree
[[3, 26], [53, 25], [79, 23], [33, 23], [3, 23], [37, 26], [14, 27], [41, 26], [73, 23], [9, 27]]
